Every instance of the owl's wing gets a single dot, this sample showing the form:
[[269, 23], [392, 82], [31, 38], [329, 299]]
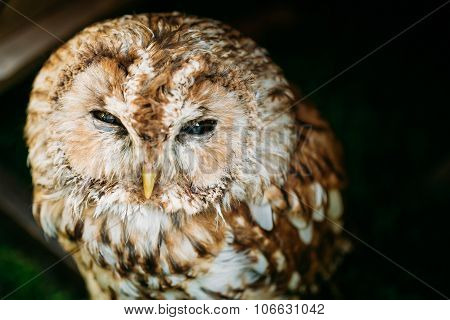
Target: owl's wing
[[311, 194], [316, 175], [303, 216]]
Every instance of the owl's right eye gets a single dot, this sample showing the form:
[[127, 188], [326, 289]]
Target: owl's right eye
[[106, 117]]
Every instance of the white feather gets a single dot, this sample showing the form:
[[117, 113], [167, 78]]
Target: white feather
[[262, 214]]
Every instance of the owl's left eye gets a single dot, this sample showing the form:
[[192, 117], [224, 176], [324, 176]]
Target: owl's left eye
[[200, 128], [106, 117]]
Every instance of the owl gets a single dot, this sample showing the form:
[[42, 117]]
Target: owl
[[169, 157]]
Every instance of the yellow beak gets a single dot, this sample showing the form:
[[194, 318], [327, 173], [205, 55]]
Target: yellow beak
[[148, 180]]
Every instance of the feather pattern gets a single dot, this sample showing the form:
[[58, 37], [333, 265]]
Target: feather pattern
[[248, 209]]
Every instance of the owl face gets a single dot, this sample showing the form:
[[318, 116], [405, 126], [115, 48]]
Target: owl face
[[155, 119], [193, 137]]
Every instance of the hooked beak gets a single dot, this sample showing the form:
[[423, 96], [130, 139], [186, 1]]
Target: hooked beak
[[148, 181]]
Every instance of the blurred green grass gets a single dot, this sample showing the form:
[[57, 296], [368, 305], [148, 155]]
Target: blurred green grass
[[18, 266], [21, 262]]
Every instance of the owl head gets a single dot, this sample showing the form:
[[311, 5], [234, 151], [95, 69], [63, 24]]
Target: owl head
[[167, 111]]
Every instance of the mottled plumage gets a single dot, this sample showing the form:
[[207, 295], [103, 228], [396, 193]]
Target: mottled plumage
[[244, 192]]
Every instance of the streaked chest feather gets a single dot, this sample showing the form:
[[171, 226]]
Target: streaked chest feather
[[153, 255]]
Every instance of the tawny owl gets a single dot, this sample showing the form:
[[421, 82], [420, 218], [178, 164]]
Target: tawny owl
[[166, 156]]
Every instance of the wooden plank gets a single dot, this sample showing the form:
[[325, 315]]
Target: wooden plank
[[22, 47]]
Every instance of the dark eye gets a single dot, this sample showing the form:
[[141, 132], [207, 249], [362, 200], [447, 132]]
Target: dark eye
[[106, 117], [199, 128]]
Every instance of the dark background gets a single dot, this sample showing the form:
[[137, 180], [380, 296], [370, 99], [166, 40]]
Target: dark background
[[391, 112]]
